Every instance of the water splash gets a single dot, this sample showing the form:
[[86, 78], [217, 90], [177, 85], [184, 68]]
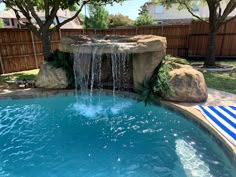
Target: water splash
[[96, 109]]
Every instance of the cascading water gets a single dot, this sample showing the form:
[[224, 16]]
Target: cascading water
[[88, 75], [88, 70], [120, 72]]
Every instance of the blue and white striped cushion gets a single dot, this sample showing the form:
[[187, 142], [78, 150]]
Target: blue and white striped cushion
[[223, 118]]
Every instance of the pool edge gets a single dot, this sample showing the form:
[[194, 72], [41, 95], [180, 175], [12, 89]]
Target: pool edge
[[194, 115]]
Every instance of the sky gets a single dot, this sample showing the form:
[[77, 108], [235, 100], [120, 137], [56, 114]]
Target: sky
[[129, 8]]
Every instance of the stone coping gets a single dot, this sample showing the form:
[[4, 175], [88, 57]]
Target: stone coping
[[215, 98], [110, 44]]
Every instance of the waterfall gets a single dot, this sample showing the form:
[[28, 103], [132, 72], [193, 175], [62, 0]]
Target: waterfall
[[88, 70], [120, 72]]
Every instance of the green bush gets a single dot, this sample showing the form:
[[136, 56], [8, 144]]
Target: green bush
[[59, 59], [144, 19], [150, 90], [119, 20], [176, 60]]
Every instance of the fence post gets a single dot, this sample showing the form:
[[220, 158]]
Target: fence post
[[2, 66], [34, 50]]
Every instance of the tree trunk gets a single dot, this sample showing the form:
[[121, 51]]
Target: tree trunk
[[211, 45], [46, 42]]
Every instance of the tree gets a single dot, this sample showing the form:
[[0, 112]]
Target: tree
[[144, 19], [98, 17], [41, 27], [143, 9], [119, 20], [217, 16]]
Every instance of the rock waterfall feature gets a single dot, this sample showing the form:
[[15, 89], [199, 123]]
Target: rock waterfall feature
[[147, 52]]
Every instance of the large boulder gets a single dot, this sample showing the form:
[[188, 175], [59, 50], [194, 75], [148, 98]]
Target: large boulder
[[50, 77], [188, 84]]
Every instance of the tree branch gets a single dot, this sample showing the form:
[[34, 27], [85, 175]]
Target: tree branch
[[30, 7], [53, 13], [190, 11], [46, 7], [69, 19], [28, 24], [230, 19], [23, 10], [229, 8]]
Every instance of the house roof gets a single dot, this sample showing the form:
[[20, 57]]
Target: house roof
[[7, 14], [74, 24], [60, 13]]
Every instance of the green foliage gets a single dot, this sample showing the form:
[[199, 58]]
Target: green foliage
[[75, 7], [63, 60], [98, 17], [161, 79], [176, 60], [1, 23], [19, 76], [143, 9], [150, 90], [146, 92], [221, 81], [144, 19], [119, 20]]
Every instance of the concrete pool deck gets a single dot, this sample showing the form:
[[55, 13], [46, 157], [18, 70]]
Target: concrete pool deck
[[215, 97]]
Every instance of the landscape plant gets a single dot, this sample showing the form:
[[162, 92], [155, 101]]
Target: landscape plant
[[59, 59], [150, 90], [98, 17], [144, 19], [119, 20]]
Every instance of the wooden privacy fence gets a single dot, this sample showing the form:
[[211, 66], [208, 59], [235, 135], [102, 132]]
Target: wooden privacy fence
[[21, 50], [225, 40]]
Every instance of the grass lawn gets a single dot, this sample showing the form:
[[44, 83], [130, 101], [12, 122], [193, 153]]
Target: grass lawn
[[221, 81], [19, 76], [224, 81]]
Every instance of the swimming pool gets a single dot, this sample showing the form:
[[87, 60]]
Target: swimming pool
[[103, 137]]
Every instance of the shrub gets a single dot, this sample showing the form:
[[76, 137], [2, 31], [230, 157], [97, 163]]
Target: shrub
[[144, 19], [119, 20], [59, 59], [150, 90]]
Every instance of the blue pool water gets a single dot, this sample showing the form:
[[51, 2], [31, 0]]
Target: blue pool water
[[59, 137]]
